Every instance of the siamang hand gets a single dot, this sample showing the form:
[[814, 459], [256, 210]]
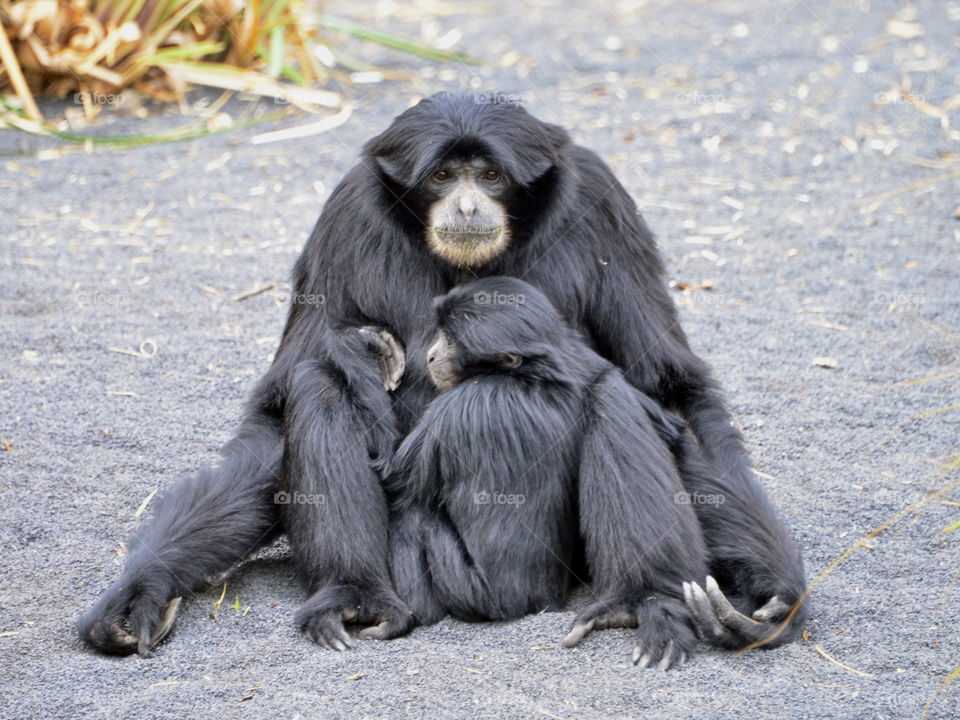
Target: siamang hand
[[322, 618], [720, 623], [664, 635], [389, 352], [130, 617]]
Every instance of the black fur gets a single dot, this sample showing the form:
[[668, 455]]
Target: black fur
[[519, 474], [576, 235]]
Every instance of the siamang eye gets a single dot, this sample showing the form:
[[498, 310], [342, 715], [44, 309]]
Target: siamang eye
[[441, 175], [491, 175]]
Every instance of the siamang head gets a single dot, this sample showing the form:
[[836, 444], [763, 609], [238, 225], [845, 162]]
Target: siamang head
[[465, 164], [495, 325]]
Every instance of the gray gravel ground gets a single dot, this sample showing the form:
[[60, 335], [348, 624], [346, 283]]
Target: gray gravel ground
[[764, 146]]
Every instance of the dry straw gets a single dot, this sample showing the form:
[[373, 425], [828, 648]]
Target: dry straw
[[97, 48]]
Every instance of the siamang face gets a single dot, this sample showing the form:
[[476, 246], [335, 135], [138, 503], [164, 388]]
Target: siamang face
[[442, 363], [474, 173], [467, 224], [448, 366]]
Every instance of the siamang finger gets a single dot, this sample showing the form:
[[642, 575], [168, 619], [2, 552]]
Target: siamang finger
[[328, 631], [704, 617], [670, 656], [774, 610], [167, 618], [327, 637], [398, 622], [103, 626], [390, 355], [580, 629], [106, 630], [621, 618], [392, 361], [117, 640], [320, 638], [342, 637], [386, 630], [750, 630], [641, 656], [380, 631], [150, 620]]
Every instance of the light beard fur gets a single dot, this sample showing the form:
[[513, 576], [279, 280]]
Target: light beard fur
[[461, 253]]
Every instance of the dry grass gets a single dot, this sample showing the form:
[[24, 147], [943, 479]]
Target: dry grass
[[98, 48]]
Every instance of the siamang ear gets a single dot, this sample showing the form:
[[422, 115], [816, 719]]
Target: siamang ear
[[391, 168], [404, 167], [553, 143], [511, 361], [390, 153], [535, 148], [397, 163]]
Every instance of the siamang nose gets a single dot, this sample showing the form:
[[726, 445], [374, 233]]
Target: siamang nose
[[467, 207]]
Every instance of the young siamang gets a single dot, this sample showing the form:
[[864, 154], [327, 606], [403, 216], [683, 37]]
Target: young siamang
[[537, 459], [458, 187]]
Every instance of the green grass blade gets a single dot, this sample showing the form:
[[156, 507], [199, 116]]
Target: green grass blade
[[194, 51], [272, 12], [392, 41], [191, 131], [292, 74], [275, 63], [287, 71]]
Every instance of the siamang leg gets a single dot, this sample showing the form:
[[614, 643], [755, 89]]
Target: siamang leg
[[201, 528], [338, 427], [434, 574], [751, 588], [409, 566], [641, 539], [754, 559], [460, 583]]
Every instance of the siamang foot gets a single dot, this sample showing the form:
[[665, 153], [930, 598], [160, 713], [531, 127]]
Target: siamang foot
[[664, 636], [389, 352], [600, 619], [324, 616], [130, 617], [720, 623]]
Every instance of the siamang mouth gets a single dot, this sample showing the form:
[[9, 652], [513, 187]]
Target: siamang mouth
[[467, 233]]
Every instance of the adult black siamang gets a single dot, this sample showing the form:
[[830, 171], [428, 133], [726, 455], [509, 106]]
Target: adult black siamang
[[458, 187], [541, 461]]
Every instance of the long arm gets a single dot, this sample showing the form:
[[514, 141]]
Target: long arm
[[202, 527], [642, 540], [339, 428], [744, 533], [210, 521], [634, 324]]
